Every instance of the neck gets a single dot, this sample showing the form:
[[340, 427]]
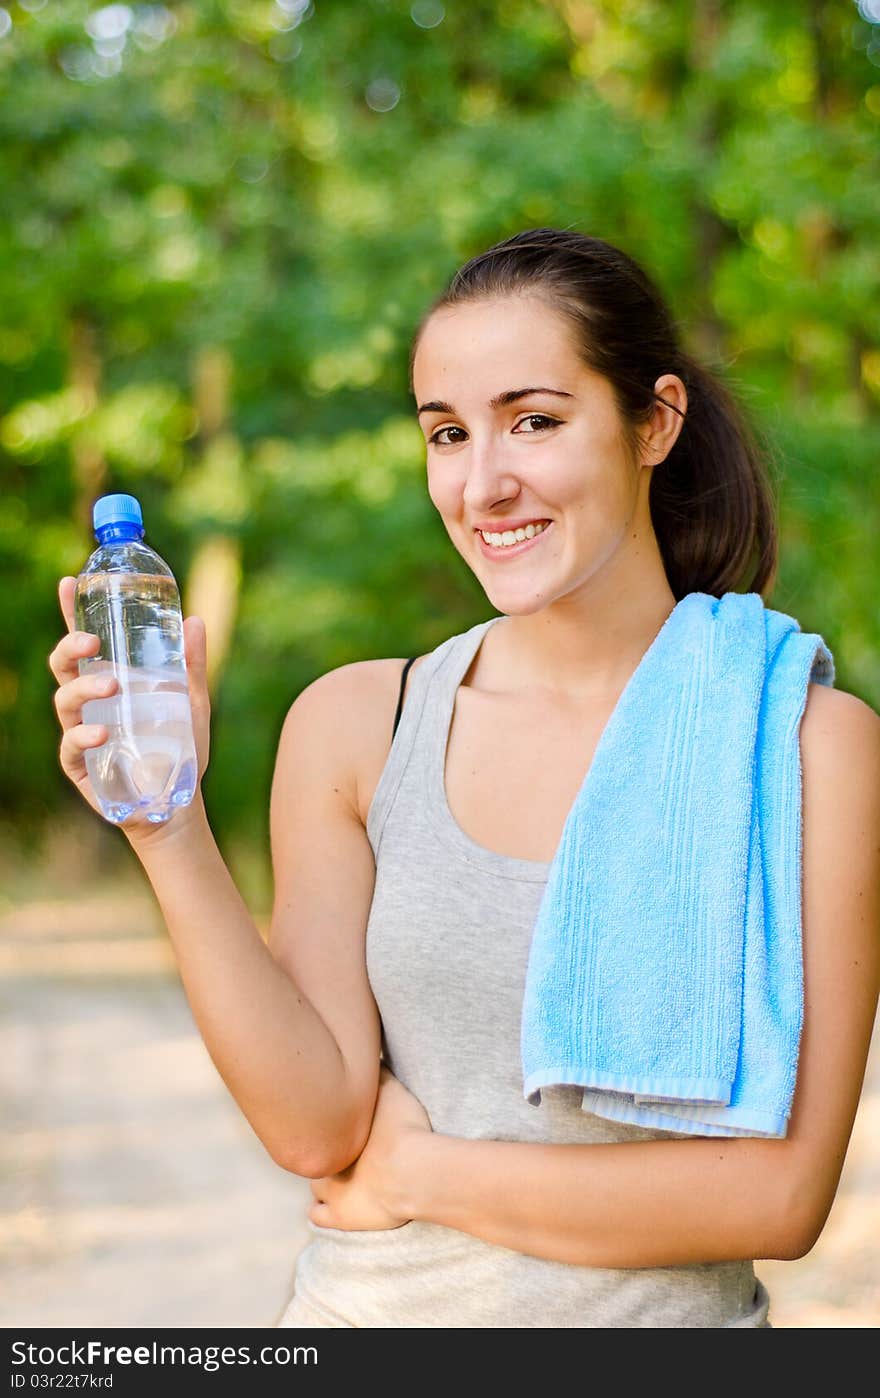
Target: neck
[[585, 646]]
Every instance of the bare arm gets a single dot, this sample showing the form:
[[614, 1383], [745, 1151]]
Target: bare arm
[[292, 1027], [275, 1053], [670, 1202], [298, 1051]]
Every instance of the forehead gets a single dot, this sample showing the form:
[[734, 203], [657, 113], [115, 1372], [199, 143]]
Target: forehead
[[514, 341]]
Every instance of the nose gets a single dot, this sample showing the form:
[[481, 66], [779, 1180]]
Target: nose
[[489, 478]]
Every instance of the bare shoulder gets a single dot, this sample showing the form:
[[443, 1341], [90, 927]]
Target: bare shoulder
[[350, 711], [839, 725], [840, 760]]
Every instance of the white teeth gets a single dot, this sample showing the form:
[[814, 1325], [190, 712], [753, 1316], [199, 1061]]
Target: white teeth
[[514, 536]]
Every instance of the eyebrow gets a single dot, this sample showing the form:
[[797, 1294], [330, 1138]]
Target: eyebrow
[[500, 401]]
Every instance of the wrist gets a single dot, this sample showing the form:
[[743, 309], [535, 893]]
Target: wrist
[[181, 826], [418, 1162]]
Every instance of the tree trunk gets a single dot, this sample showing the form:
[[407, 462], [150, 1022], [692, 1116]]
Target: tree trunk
[[84, 376], [214, 579]]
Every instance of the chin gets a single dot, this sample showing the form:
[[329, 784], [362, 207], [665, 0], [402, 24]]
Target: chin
[[512, 606]]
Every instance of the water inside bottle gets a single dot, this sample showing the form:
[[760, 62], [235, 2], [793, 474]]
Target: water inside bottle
[[148, 762]]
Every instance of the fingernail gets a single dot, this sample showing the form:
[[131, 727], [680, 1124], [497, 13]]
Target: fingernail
[[105, 684]]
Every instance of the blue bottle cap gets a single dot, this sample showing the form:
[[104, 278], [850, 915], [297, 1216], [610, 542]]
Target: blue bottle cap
[[117, 509]]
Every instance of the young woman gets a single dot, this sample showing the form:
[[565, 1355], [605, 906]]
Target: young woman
[[591, 474]]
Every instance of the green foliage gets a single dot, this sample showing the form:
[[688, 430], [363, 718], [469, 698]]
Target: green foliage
[[290, 184]]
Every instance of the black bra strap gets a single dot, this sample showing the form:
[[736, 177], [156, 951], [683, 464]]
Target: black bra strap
[[400, 696]]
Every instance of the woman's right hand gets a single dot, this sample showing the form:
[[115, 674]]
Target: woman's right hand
[[75, 689]]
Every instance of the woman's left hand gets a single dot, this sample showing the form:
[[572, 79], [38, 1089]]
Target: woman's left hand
[[369, 1193]]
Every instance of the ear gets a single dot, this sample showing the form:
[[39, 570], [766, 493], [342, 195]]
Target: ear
[[661, 433]]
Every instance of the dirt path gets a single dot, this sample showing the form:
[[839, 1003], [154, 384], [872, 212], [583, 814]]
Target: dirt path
[[134, 1193]]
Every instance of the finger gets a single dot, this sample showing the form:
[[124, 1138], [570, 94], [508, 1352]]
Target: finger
[[75, 743], [66, 591], [75, 646], [70, 697], [322, 1215]]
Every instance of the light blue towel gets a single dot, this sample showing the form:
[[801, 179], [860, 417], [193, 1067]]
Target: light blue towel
[[665, 970]]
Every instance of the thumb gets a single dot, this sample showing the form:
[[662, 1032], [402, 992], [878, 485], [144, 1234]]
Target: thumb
[[195, 648]]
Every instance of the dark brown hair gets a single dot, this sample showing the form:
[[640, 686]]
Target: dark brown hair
[[711, 499]]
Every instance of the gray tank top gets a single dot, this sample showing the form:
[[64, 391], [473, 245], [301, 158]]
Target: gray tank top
[[447, 947]]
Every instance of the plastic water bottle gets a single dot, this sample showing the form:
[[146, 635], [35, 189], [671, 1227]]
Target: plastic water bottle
[[126, 594]]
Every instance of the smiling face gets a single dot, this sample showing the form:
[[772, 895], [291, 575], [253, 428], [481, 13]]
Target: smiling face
[[498, 462]]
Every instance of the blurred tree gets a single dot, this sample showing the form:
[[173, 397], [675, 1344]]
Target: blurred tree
[[223, 220]]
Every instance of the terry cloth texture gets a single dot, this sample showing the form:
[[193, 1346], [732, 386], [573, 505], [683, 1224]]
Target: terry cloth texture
[[665, 973]]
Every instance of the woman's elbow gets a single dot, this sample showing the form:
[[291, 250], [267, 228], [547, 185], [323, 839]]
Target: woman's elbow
[[315, 1159], [802, 1229], [800, 1238], [318, 1157]]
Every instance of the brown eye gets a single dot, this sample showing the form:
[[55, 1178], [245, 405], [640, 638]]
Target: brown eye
[[539, 417], [435, 440]]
